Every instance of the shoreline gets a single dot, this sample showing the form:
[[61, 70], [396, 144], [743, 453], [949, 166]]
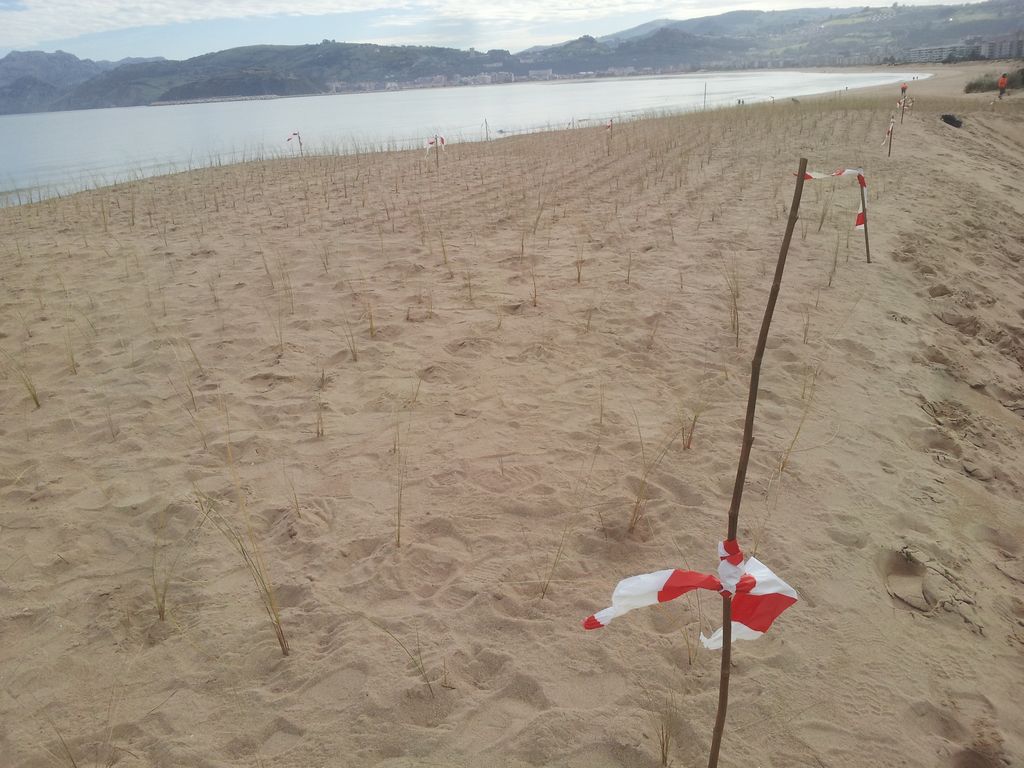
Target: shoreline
[[71, 187]]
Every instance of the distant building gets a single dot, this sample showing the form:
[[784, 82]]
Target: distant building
[[432, 81], [1009, 47], [541, 74], [944, 52]]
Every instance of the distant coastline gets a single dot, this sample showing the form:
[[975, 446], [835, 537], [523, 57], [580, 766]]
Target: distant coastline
[[54, 153]]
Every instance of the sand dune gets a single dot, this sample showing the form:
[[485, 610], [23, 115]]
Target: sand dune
[[522, 348]]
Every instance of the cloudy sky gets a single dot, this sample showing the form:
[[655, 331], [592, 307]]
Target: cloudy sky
[[112, 29]]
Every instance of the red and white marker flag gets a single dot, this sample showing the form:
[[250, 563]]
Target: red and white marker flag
[[759, 596], [862, 218], [435, 142], [888, 131], [858, 172]]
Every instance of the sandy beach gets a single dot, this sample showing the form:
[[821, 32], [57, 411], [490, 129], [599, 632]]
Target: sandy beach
[[438, 406]]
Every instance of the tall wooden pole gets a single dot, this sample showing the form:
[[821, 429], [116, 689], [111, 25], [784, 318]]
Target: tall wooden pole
[[741, 469], [864, 207], [892, 130], [903, 107], [437, 153]]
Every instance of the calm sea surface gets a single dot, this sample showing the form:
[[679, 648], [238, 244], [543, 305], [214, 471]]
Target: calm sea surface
[[64, 151]]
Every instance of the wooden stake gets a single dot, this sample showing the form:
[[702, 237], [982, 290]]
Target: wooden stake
[[437, 153], [741, 470], [892, 130], [864, 207], [903, 107]]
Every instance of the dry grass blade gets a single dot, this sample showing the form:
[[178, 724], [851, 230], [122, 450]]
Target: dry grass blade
[[249, 552], [350, 338], [195, 358], [554, 563], [647, 467], [277, 323], [775, 481], [415, 658], [400, 481], [23, 375], [63, 743], [72, 364], [732, 282], [159, 584], [578, 262], [369, 317], [667, 727], [825, 207], [319, 415], [246, 546], [295, 496]]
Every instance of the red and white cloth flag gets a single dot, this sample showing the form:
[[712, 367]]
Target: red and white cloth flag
[[294, 136], [858, 172], [758, 595], [888, 131], [435, 142]]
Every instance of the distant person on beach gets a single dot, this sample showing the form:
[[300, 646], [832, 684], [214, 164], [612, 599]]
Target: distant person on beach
[[1002, 85], [903, 90]]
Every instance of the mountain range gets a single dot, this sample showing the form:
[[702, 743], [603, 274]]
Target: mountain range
[[35, 81]]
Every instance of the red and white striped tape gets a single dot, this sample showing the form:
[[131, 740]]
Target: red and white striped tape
[[858, 172], [758, 595]]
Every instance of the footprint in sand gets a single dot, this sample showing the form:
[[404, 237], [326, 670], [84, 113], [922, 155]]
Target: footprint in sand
[[920, 583], [847, 538], [968, 325], [904, 580], [468, 347], [986, 749], [975, 758], [1012, 568]]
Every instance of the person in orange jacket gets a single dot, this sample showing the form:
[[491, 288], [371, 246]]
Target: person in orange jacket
[[1002, 85], [903, 90]]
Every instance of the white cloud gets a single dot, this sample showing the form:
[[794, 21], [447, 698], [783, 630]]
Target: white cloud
[[37, 20], [32, 21]]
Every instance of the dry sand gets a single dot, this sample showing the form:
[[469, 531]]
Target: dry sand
[[504, 399]]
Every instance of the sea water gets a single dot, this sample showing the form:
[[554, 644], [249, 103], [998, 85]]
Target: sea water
[[55, 152]]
